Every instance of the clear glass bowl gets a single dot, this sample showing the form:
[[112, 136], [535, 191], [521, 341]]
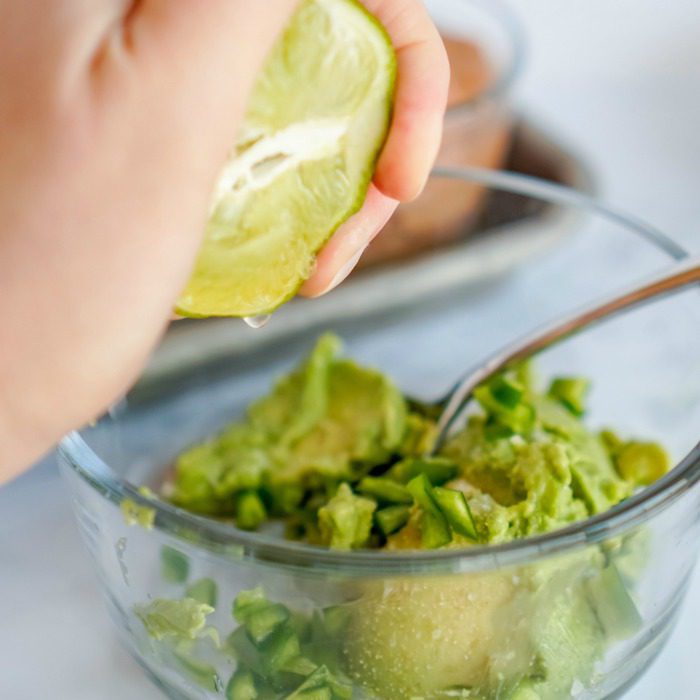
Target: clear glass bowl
[[499, 619]]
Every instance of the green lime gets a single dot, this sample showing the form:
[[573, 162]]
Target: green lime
[[314, 127]]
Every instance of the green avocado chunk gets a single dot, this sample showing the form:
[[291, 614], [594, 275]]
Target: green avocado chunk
[[518, 487], [328, 419], [184, 619], [346, 520], [204, 590], [174, 565]]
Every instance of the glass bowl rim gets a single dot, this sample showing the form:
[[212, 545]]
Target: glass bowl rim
[[507, 74], [212, 534]]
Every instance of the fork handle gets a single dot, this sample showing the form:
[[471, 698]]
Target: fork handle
[[670, 281]]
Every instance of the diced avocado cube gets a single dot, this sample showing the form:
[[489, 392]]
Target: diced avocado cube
[[245, 652], [204, 590], [174, 565], [384, 490], [435, 531], [571, 392], [456, 510], [242, 686], [345, 521], [280, 649], [391, 519], [250, 511], [438, 470], [261, 623], [642, 463]]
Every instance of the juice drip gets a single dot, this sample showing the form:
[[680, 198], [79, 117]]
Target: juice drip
[[256, 321]]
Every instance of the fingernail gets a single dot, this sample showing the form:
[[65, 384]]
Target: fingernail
[[344, 271]]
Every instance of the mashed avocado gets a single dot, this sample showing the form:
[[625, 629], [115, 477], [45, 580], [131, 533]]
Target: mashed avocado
[[339, 455], [332, 435], [327, 422]]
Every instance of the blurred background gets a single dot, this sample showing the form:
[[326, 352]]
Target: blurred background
[[600, 95]]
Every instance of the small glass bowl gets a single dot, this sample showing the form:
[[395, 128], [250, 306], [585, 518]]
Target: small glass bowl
[[489, 622], [486, 51]]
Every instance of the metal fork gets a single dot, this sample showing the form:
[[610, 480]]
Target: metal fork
[[675, 279]]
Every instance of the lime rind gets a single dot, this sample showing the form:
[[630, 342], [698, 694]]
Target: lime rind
[[298, 175]]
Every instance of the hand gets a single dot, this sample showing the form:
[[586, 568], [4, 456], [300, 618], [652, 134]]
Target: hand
[[116, 117], [423, 78]]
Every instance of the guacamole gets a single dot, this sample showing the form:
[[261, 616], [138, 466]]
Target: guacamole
[[339, 453], [340, 456]]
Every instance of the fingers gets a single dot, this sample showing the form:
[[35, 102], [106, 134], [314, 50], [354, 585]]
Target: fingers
[[341, 253], [421, 96], [412, 143]]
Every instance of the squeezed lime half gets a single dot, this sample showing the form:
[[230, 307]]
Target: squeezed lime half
[[316, 122]]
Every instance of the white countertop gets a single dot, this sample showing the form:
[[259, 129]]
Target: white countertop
[[621, 82]]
